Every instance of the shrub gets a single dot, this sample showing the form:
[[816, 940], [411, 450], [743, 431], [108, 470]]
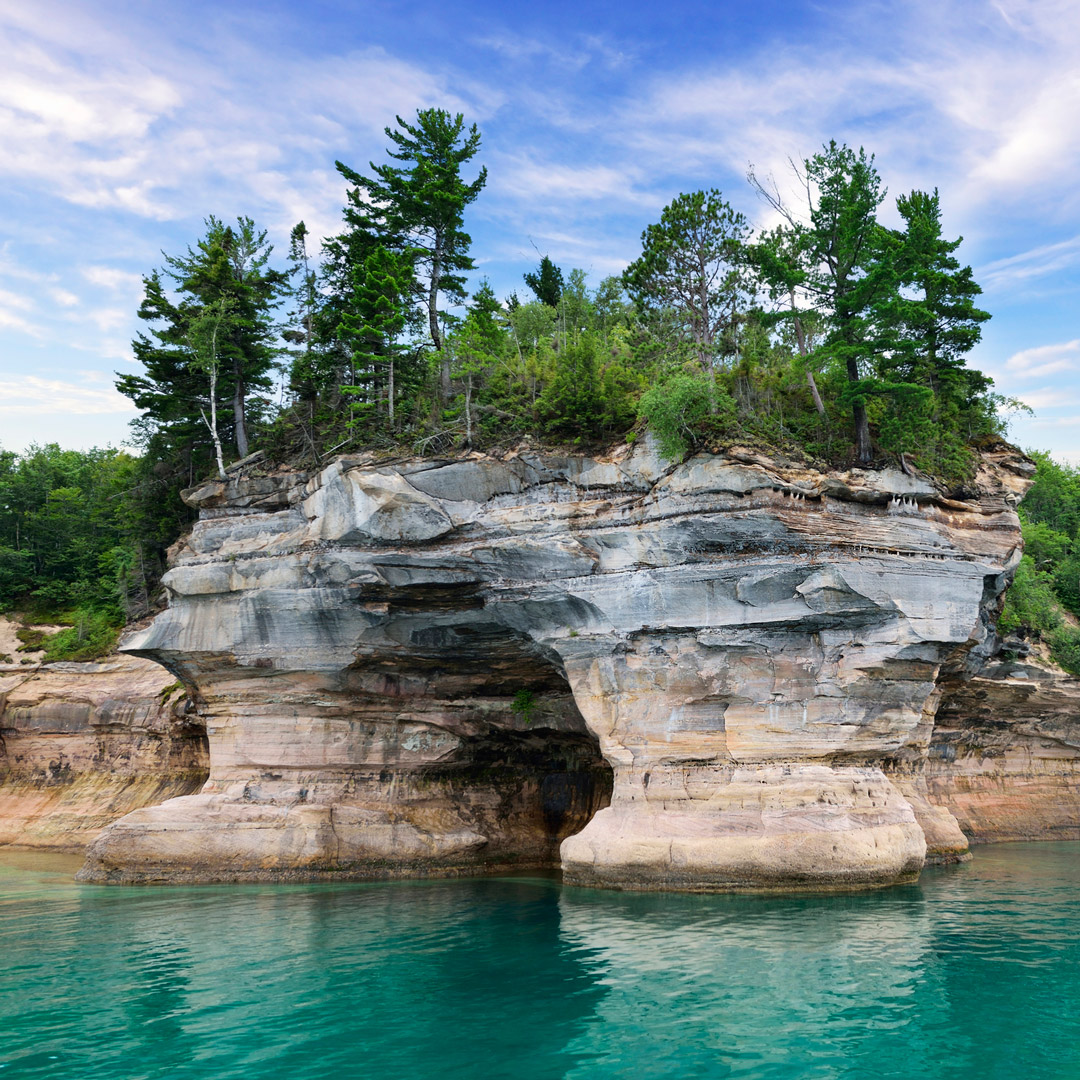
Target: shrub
[[683, 409]]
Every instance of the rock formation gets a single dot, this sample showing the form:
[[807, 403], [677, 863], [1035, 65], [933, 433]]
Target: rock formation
[[1005, 753], [83, 744], [439, 666]]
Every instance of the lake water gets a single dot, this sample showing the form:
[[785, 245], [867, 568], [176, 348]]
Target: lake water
[[972, 973]]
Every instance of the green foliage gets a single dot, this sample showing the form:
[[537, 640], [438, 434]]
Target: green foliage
[[1030, 603], [689, 275], [1032, 607], [523, 704], [587, 398], [683, 409], [1054, 497], [1044, 598], [546, 282], [82, 535], [93, 634], [418, 208], [227, 273], [372, 323], [1051, 517]]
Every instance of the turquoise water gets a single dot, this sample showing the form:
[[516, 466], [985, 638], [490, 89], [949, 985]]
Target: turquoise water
[[973, 973]]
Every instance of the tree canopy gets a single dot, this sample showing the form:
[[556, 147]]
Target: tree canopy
[[832, 334]]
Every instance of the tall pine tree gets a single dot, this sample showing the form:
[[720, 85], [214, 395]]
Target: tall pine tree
[[418, 208]]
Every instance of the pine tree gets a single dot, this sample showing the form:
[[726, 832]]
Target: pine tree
[[377, 315], [936, 323], [419, 207], [546, 282], [227, 265]]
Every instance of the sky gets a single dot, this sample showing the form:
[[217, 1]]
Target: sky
[[124, 124]]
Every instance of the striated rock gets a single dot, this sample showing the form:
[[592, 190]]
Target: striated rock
[[440, 666], [82, 744], [1005, 754]]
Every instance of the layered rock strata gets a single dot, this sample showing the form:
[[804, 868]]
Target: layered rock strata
[[1004, 758], [434, 666], [82, 744]]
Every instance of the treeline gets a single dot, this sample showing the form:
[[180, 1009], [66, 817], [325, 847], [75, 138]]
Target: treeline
[[830, 334], [1043, 602], [82, 542]]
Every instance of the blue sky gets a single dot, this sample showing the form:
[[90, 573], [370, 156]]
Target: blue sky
[[122, 125]]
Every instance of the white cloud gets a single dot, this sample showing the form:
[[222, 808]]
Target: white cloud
[[12, 321], [1048, 397], [31, 394], [526, 178], [63, 297], [108, 319], [1057, 422], [15, 300], [108, 277], [1044, 359], [1036, 262]]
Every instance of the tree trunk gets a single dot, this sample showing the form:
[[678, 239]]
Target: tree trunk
[[468, 411], [390, 396], [238, 412], [444, 378], [863, 450], [212, 424], [433, 294], [800, 336]]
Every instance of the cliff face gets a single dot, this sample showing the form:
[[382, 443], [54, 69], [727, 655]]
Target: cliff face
[[83, 744], [1005, 754], [700, 677]]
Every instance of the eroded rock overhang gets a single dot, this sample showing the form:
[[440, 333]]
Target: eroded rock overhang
[[753, 647]]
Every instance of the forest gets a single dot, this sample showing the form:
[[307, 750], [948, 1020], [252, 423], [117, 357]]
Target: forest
[[830, 336]]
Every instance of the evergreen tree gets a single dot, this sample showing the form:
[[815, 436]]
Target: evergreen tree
[[849, 269], [231, 265], [309, 371], [837, 254], [546, 282], [377, 315], [936, 323], [419, 207], [691, 265], [778, 257], [477, 346]]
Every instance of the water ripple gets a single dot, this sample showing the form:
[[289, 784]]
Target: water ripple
[[975, 972]]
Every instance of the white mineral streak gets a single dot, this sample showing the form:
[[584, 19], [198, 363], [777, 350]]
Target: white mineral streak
[[754, 646]]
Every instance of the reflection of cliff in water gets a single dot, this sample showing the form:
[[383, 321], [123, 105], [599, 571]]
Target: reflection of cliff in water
[[975, 972], [450, 979], [733, 986], [971, 973]]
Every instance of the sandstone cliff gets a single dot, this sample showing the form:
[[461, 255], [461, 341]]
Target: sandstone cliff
[[82, 744], [1005, 753], [439, 666]]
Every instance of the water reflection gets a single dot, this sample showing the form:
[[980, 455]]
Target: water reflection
[[295, 981], [736, 986], [974, 972]]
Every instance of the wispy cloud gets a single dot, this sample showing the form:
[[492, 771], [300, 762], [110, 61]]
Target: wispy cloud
[[129, 124], [1044, 360], [1037, 262], [109, 277], [31, 394], [1048, 397]]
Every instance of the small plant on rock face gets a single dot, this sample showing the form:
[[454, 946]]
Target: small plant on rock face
[[522, 705]]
